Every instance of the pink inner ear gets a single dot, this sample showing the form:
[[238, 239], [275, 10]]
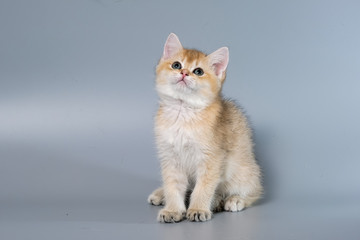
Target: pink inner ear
[[172, 46], [168, 51], [219, 68], [219, 60]]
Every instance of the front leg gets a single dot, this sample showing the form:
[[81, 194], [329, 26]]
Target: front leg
[[202, 196], [175, 184]]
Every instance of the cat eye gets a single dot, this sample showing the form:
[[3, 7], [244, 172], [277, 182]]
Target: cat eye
[[198, 71], [176, 65]]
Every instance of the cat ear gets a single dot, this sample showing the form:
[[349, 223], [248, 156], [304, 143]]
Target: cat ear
[[172, 46], [219, 60]]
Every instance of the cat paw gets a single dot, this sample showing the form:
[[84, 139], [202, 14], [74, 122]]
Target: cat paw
[[234, 204], [157, 197], [166, 216], [197, 215]]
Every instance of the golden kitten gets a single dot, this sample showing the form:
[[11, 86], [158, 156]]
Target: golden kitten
[[204, 141]]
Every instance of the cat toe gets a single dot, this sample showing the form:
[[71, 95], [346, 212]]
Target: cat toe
[[157, 197], [197, 215], [166, 216], [154, 200], [234, 204]]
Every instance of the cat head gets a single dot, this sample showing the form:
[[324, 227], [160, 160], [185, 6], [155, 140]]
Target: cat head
[[190, 76]]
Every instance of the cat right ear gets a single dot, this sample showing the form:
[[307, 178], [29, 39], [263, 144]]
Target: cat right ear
[[219, 60], [172, 46]]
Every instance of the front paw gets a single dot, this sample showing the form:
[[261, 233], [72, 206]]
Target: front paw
[[198, 215], [167, 216], [157, 197]]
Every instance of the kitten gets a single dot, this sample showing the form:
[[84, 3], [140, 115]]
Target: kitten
[[204, 141]]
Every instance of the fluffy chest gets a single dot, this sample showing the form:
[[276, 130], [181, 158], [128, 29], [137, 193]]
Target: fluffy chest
[[179, 136]]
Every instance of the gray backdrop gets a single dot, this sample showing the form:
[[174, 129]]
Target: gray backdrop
[[77, 102]]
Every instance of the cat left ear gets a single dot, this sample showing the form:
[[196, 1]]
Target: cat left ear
[[172, 46], [219, 60]]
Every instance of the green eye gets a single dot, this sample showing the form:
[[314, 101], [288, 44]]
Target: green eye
[[176, 65], [198, 71]]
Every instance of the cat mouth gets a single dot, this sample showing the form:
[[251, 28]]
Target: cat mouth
[[184, 84], [182, 81]]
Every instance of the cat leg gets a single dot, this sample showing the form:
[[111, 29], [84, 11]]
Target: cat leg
[[241, 194], [175, 185], [157, 197], [242, 186], [203, 194]]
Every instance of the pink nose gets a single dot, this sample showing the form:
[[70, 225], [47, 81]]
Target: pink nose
[[184, 72]]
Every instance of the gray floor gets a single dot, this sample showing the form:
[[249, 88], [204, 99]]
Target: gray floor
[[77, 100], [131, 218]]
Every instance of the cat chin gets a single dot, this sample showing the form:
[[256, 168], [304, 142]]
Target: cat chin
[[187, 100], [189, 94]]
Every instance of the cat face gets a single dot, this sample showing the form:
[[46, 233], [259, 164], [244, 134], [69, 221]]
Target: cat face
[[190, 76]]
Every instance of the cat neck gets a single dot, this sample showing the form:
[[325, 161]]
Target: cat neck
[[176, 109], [190, 103]]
